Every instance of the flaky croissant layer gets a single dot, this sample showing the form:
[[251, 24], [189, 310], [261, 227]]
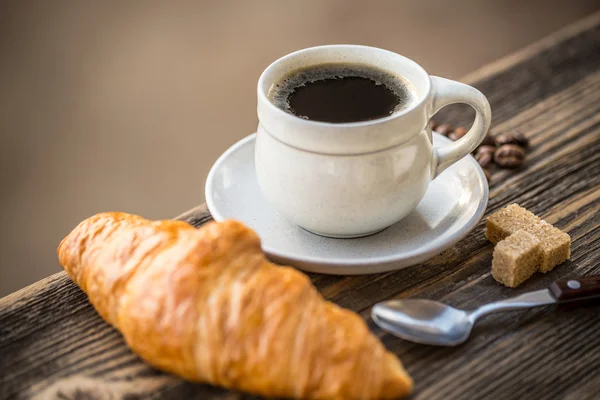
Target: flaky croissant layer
[[207, 305]]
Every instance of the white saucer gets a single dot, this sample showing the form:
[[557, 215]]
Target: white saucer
[[453, 205]]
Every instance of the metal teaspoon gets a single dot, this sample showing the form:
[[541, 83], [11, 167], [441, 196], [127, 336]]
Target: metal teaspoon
[[435, 323]]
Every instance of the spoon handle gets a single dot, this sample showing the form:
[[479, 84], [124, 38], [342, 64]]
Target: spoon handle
[[576, 288], [560, 291]]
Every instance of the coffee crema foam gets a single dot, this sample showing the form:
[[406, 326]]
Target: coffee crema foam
[[282, 90]]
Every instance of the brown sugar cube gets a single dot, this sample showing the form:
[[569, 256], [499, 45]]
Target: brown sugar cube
[[516, 258], [555, 244], [507, 221]]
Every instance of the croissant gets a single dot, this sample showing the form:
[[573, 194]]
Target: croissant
[[207, 305]]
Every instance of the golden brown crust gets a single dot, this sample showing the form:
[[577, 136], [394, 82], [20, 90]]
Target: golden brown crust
[[205, 304]]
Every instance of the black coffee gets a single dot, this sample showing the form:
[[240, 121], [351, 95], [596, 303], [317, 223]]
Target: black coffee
[[341, 93]]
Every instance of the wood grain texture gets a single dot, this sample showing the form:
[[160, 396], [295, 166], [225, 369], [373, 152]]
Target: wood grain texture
[[54, 345]]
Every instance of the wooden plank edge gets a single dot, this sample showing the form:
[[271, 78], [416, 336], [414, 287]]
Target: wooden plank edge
[[29, 291], [193, 212], [532, 49]]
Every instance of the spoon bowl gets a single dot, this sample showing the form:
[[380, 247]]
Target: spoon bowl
[[423, 321]]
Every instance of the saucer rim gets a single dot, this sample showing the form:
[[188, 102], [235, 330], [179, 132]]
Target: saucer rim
[[354, 267]]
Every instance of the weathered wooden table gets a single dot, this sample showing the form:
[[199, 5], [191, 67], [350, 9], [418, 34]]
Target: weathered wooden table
[[54, 345]]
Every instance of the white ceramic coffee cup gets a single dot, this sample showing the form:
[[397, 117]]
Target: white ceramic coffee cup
[[354, 179]]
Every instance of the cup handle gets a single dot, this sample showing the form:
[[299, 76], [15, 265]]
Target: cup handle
[[448, 92]]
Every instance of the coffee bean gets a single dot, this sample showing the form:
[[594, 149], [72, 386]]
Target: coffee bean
[[485, 155], [512, 137], [488, 175], [484, 159], [457, 133], [444, 129], [509, 156], [433, 125], [488, 142], [484, 148]]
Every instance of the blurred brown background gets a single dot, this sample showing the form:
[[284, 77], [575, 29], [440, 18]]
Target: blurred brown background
[[124, 105]]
